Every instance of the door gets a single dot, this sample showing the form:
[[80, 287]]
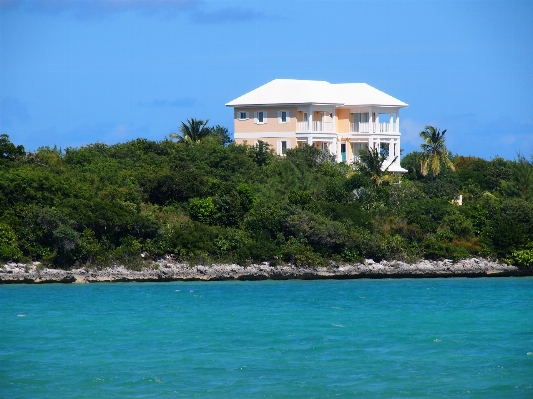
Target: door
[[343, 152]]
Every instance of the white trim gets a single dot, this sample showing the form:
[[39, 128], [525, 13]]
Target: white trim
[[239, 115], [280, 146]]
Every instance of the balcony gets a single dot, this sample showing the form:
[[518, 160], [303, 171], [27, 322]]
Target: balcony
[[372, 127], [315, 127]]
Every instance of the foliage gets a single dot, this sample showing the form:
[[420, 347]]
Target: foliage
[[204, 199], [522, 257], [434, 151], [8, 150], [521, 183], [371, 165], [195, 130], [8, 244]]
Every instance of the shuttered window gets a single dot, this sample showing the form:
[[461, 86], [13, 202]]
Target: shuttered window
[[260, 117], [283, 145], [283, 116]]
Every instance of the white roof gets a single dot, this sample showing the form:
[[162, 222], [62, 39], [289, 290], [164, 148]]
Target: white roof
[[291, 91]]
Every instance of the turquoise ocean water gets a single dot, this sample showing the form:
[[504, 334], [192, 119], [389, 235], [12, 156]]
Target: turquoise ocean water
[[270, 339]]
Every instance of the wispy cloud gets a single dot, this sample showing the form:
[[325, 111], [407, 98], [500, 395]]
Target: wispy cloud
[[227, 15], [98, 8], [183, 102], [12, 110], [88, 9]]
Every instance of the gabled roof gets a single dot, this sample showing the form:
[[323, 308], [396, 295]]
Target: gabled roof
[[291, 91]]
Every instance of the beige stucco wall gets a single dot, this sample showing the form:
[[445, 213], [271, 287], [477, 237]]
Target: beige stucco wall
[[272, 125], [343, 120], [272, 141]]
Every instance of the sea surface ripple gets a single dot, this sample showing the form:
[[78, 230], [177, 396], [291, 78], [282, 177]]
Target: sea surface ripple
[[269, 339]]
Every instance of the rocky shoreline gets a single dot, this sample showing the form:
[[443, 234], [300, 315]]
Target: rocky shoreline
[[167, 270]]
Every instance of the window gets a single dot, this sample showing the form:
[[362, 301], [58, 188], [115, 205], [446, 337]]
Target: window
[[243, 115], [260, 117], [283, 116], [384, 149], [283, 145], [360, 118]]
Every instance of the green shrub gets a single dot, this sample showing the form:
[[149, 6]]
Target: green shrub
[[301, 254], [522, 257], [9, 249]]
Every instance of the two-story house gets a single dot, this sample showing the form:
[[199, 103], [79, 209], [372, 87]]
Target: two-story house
[[340, 118]]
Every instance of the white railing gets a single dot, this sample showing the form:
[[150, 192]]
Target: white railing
[[386, 127], [355, 127], [359, 127], [374, 127], [316, 126]]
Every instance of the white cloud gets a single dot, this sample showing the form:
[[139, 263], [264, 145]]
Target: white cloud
[[85, 9], [97, 8]]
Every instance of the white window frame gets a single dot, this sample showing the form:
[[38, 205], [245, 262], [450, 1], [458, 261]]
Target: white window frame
[[280, 116], [256, 117], [281, 150], [240, 113]]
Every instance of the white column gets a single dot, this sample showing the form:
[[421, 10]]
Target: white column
[[310, 119], [333, 120], [398, 121], [370, 121], [391, 120]]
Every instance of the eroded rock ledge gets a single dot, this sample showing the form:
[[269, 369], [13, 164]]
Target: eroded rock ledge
[[167, 270]]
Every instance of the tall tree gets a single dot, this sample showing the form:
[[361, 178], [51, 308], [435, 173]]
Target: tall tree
[[221, 132], [520, 183], [371, 165], [192, 132], [435, 152], [8, 150]]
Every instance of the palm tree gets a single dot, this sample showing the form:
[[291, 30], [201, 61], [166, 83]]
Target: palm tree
[[192, 132], [435, 152], [371, 165]]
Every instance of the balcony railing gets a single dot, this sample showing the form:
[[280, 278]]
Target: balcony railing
[[376, 127], [355, 127], [315, 126], [359, 127]]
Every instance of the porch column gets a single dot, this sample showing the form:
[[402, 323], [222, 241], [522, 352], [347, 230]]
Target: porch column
[[398, 121], [390, 122], [370, 121], [310, 119], [333, 124]]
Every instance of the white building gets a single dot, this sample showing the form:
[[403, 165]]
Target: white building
[[340, 118]]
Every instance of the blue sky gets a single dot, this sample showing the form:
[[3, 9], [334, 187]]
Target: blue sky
[[74, 72]]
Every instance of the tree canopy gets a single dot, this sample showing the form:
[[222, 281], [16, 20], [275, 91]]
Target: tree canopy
[[203, 200], [434, 151]]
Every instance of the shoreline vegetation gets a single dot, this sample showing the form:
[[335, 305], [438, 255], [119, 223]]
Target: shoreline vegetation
[[168, 270], [196, 198]]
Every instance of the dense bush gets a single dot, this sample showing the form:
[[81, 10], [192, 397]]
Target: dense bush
[[210, 201]]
